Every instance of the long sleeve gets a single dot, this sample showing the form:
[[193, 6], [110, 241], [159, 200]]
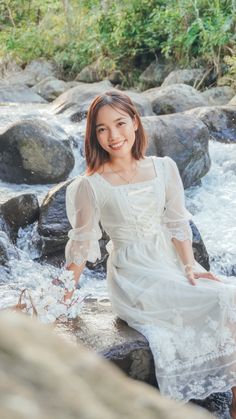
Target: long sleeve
[[175, 217], [83, 214]]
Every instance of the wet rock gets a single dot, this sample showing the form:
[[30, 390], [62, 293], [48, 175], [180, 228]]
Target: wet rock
[[155, 73], [92, 73], [20, 211], [183, 138], [7, 252], [220, 120], [190, 76], [232, 102], [50, 88], [8, 66], [33, 73], [47, 377], [18, 94], [32, 151], [199, 248], [218, 96], [174, 98], [75, 102]]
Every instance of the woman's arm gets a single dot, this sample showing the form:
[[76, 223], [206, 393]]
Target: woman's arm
[[77, 270], [185, 252]]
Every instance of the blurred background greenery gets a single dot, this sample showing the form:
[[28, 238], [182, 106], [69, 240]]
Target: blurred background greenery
[[124, 35]]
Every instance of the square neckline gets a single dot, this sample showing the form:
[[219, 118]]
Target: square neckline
[[135, 183]]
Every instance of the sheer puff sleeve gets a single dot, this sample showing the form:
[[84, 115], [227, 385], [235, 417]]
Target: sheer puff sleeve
[[83, 214], [175, 217]]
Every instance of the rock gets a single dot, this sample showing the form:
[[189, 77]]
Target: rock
[[7, 252], [232, 102], [18, 94], [220, 120], [75, 102], [190, 76], [33, 73], [218, 96], [155, 73], [175, 98], [92, 73], [199, 248], [50, 88], [32, 151], [20, 211], [8, 66], [44, 377], [183, 138]]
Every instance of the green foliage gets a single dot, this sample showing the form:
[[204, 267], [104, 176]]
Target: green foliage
[[125, 34]]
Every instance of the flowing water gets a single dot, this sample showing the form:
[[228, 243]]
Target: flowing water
[[213, 205]]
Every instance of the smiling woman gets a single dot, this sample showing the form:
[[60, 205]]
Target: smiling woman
[[187, 314]]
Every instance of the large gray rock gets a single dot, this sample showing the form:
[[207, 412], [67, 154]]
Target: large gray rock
[[33, 73], [50, 88], [220, 120], [155, 73], [32, 151], [232, 102], [44, 377], [75, 102], [174, 98], [14, 93], [191, 76], [183, 138], [20, 211], [92, 73], [218, 96], [8, 66]]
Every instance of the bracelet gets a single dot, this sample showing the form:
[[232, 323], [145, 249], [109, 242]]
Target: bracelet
[[188, 267]]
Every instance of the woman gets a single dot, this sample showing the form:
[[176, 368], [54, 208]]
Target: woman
[[186, 313]]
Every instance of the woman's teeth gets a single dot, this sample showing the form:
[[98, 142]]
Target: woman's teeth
[[118, 145]]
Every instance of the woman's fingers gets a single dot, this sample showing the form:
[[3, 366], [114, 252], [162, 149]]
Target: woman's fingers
[[207, 275]]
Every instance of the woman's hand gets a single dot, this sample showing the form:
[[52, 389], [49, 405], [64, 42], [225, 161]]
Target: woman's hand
[[192, 276]]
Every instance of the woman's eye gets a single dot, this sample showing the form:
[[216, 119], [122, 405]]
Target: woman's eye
[[101, 130], [121, 123]]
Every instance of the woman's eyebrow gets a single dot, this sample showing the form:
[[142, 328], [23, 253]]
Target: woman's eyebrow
[[115, 120]]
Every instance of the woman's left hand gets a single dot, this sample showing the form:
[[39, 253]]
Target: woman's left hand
[[192, 276]]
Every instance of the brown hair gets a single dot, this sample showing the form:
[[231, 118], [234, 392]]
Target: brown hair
[[95, 155]]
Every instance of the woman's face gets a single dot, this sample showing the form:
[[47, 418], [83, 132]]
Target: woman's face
[[115, 131]]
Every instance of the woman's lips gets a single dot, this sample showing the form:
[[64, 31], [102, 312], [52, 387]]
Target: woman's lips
[[117, 146]]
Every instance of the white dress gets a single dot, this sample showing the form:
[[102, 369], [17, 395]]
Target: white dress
[[191, 329]]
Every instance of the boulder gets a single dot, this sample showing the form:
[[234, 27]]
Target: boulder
[[75, 102], [34, 72], [185, 139], [50, 88], [174, 98], [232, 102], [93, 73], [191, 76], [155, 73], [220, 120], [18, 94], [32, 151], [7, 252], [218, 96], [20, 211], [44, 377], [8, 66]]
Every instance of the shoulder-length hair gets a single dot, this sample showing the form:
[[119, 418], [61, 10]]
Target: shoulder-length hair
[[95, 155]]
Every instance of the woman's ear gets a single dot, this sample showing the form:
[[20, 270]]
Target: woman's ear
[[135, 123]]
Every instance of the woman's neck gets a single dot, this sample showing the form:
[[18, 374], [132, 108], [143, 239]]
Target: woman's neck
[[123, 163]]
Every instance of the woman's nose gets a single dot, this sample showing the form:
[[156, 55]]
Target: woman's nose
[[114, 134]]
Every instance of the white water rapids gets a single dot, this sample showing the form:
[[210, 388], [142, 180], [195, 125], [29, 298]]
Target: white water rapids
[[213, 205]]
